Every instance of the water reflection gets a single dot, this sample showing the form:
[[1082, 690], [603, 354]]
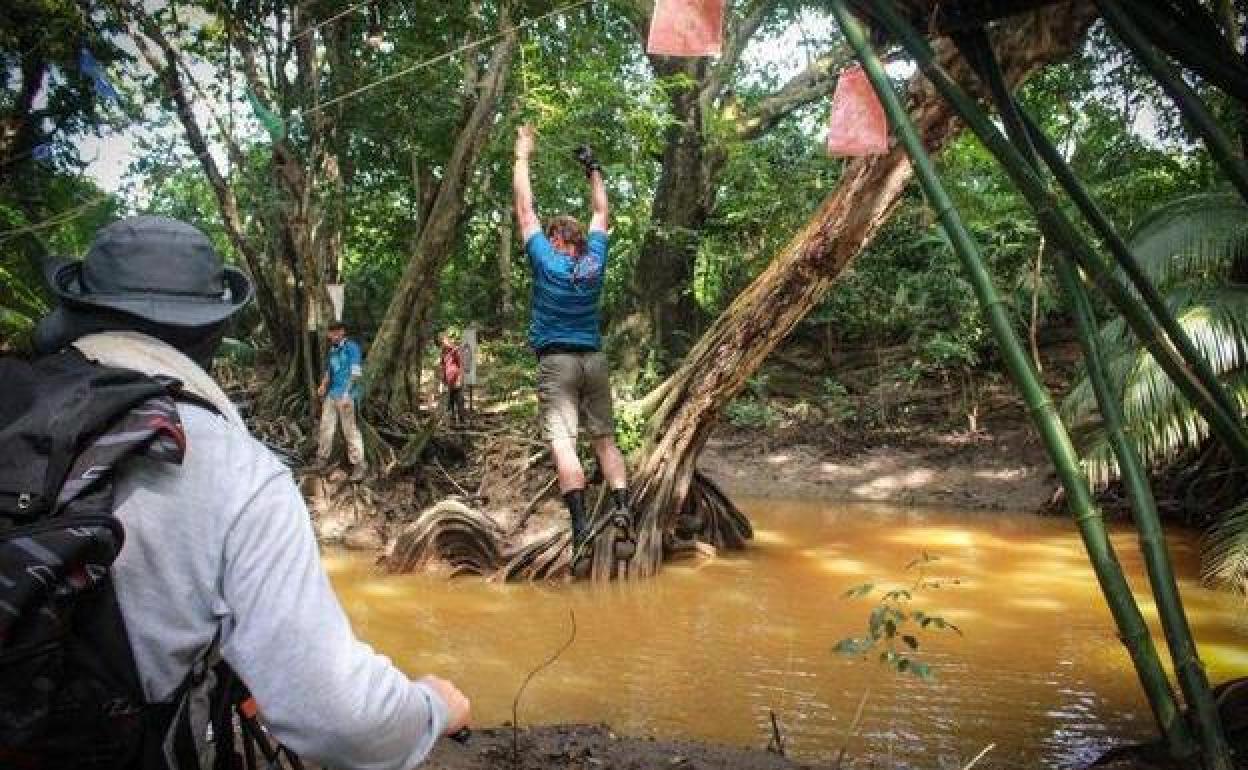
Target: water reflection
[[709, 649]]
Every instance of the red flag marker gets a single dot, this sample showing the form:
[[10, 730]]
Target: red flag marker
[[857, 125], [687, 28]]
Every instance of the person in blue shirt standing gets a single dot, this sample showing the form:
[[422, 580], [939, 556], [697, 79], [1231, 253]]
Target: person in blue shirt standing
[[572, 376], [340, 391]]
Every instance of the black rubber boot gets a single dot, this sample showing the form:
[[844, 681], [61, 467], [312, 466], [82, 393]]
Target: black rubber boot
[[575, 500]]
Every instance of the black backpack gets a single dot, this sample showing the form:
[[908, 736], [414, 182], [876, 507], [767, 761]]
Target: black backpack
[[70, 696]]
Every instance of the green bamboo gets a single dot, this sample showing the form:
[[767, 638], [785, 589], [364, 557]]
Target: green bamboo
[[1191, 673], [1059, 229], [1193, 680], [1088, 518], [1187, 100], [1130, 266]]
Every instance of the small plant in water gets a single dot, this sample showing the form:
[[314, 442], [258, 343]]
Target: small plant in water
[[894, 626]]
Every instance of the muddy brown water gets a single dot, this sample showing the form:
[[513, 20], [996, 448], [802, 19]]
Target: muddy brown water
[[709, 649]]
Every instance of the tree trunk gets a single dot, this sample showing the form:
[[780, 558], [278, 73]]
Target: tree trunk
[[393, 368], [765, 312], [682, 202], [693, 155], [506, 303]]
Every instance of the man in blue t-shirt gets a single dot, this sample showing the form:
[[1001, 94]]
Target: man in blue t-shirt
[[572, 381], [340, 389]]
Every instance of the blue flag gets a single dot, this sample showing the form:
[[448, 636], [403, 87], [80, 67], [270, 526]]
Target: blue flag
[[91, 68]]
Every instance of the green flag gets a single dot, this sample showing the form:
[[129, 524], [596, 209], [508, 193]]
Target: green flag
[[271, 121]]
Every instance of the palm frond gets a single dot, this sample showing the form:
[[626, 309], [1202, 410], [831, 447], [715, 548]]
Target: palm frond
[[1161, 425], [1226, 549], [1192, 240], [1215, 321]]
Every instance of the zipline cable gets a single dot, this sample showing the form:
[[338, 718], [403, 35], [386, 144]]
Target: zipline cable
[[440, 57], [330, 20], [61, 218], [73, 213]]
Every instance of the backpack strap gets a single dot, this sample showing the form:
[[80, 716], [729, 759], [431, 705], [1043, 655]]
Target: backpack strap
[[185, 744]]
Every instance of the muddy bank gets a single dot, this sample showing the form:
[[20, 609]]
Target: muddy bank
[[989, 470], [584, 747]]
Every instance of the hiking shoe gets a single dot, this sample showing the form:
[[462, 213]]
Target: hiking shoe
[[357, 474]]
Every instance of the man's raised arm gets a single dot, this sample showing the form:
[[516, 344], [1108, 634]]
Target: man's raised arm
[[522, 189], [597, 201], [597, 188]]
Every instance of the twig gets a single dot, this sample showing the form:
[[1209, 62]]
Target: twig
[[462, 491], [853, 728], [515, 703], [528, 509], [777, 740], [979, 756]]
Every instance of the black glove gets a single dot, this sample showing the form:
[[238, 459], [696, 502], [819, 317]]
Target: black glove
[[585, 157]]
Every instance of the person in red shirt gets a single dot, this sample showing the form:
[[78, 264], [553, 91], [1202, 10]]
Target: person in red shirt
[[452, 367]]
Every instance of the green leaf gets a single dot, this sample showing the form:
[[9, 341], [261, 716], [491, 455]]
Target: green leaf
[[922, 670], [858, 591], [852, 646]]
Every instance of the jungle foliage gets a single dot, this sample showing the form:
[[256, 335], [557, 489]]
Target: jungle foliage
[[581, 76]]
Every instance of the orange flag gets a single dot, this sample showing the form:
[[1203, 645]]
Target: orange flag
[[857, 125], [687, 28]]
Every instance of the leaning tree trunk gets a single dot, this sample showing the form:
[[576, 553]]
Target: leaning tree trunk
[[393, 369], [762, 315]]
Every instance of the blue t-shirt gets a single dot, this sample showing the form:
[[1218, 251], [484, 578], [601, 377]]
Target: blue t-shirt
[[344, 360], [565, 292]]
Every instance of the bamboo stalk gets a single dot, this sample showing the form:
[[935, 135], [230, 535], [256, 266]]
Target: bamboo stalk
[[1059, 229], [1187, 100], [1183, 652], [1191, 673], [1040, 406]]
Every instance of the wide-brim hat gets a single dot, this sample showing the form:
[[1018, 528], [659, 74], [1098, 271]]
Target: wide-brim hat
[[155, 268]]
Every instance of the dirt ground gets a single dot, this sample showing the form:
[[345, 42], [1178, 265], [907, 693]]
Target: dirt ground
[[592, 747], [924, 457], [990, 470]]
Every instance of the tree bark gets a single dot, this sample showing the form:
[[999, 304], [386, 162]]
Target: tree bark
[[506, 305], [393, 369], [765, 312], [682, 203]]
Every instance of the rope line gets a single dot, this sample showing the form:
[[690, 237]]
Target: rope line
[[330, 20], [56, 219], [440, 57], [65, 216]]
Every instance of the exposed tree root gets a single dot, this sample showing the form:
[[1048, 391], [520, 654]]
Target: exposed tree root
[[451, 535], [454, 537], [712, 518]]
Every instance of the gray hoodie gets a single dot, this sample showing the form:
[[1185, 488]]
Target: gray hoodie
[[223, 545]]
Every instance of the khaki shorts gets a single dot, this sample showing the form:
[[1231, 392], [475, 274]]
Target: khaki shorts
[[570, 385]]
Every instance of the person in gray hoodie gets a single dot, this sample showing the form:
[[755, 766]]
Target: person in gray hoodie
[[219, 552]]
